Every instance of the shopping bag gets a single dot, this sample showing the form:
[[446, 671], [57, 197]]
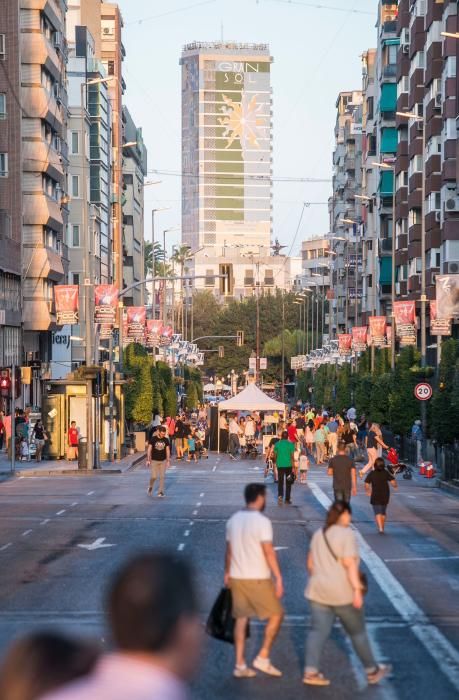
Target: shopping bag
[[220, 623]]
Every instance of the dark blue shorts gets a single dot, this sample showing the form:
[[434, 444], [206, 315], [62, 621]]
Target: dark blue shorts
[[379, 509]]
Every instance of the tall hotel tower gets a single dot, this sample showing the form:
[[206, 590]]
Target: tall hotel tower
[[226, 160]]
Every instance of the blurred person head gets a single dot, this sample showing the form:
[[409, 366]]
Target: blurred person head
[[379, 464], [255, 496], [339, 513], [284, 435], [341, 447], [153, 612], [43, 662]]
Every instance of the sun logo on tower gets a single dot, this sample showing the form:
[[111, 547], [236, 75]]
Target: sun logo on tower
[[242, 120]]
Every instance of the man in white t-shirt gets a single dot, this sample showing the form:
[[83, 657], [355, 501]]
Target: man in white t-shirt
[[234, 431], [253, 575]]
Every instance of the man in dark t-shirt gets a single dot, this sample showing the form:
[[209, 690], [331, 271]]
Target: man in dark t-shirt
[[158, 458], [180, 434], [342, 468]]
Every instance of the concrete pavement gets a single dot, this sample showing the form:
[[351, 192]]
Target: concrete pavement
[[62, 467], [46, 578]]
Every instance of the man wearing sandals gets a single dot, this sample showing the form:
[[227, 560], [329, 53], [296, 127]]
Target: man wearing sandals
[[250, 567]]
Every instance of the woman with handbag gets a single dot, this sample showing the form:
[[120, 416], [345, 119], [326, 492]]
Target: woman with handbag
[[335, 590]]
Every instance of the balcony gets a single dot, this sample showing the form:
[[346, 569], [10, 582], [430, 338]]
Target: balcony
[[389, 71]]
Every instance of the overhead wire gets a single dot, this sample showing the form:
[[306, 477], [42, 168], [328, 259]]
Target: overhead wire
[[169, 12], [319, 6]]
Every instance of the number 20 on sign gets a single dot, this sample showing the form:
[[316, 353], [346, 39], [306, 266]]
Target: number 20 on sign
[[423, 391]]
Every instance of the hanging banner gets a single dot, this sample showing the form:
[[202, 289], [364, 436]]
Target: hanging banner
[[378, 331], [136, 317], [165, 338], [389, 336], [126, 339], [438, 326], [154, 328], [447, 293], [344, 344], [66, 300], [359, 338], [105, 331], [405, 322], [106, 302]]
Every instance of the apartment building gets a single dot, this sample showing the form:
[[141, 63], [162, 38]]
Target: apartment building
[[43, 95], [134, 171], [346, 228], [10, 187]]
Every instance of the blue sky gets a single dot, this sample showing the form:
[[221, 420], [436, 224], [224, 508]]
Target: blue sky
[[316, 54]]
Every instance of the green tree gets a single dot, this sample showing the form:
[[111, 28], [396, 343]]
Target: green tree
[[404, 408], [343, 387], [381, 387], [148, 258], [170, 401], [191, 396], [142, 408], [446, 398], [157, 398]]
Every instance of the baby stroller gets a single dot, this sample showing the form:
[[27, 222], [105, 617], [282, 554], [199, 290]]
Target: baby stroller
[[249, 450], [396, 467]]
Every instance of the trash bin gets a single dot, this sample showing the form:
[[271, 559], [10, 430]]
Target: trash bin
[[82, 453]]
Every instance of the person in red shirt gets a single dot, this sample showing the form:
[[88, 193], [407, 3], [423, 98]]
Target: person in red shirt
[[291, 430], [73, 437]]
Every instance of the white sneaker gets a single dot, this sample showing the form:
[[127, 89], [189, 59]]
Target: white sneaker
[[243, 672], [265, 666]]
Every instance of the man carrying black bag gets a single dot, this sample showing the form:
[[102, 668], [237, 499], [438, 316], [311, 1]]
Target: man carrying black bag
[[252, 574]]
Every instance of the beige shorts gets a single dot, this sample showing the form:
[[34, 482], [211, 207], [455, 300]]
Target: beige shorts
[[254, 598]]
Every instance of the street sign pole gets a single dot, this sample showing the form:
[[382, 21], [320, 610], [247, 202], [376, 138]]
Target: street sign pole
[[13, 417]]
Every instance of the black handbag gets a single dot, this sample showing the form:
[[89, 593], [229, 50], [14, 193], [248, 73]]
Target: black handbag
[[291, 478], [220, 623], [362, 575]]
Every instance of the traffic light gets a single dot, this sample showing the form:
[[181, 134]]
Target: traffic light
[[221, 351], [5, 381], [17, 382], [239, 338]]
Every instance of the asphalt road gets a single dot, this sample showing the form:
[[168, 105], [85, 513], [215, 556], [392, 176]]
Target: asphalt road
[[47, 579]]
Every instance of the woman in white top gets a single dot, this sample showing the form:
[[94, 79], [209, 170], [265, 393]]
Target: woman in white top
[[334, 590], [249, 428]]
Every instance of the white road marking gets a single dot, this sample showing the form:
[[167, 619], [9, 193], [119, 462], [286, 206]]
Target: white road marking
[[423, 558], [186, 533], [60, 512], [411, 496], [181, 547], [195, 512], [27, 532], [97, 544], [214, 468], [198, 504], [90, 493], [201, 495], [74, 504], [5, 546], [44, 522], [434, 642]]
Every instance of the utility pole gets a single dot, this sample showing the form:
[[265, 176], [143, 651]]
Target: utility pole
[[13, 417], [283, 350], [257, 373]]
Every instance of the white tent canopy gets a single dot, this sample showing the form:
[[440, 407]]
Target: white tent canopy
[[251, 399]]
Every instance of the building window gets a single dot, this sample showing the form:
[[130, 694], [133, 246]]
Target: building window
[[75, 236], [75, 278], [111, 67], [370, 107], [75, 142], [75, 185], [3, 164], [2, 105], [209, 279], [2, 47]]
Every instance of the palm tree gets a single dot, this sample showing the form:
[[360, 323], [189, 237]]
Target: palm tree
[[159, 256], [180, 256]]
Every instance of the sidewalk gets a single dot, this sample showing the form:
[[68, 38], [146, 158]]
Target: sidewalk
[[60, 467]]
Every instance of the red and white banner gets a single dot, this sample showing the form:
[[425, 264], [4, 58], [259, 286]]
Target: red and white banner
[[345, 344], [378, 331], [154, 328], [166, 336], [67, 303], [105, 331], [405, 321], [389, 336], [438, 326], [106, 302], [136, 317], [447, 293], [359, 338]]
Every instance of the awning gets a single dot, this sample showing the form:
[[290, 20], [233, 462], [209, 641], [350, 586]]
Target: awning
[[388, 102], [389, 140], [385, 271], [386, 183], [391, 42]]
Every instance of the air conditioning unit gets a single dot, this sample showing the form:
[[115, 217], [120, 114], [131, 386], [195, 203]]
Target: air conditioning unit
[[107, 31], [438, 100], [397, 287], [453, 267], [405, 36], [419, 125], [452, 204], [405, 48], [438, 216]]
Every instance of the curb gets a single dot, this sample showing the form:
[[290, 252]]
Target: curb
[[448, 487], [78, 472]]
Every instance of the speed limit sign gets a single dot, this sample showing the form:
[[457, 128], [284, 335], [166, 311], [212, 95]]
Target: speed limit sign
[[423, 391]]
